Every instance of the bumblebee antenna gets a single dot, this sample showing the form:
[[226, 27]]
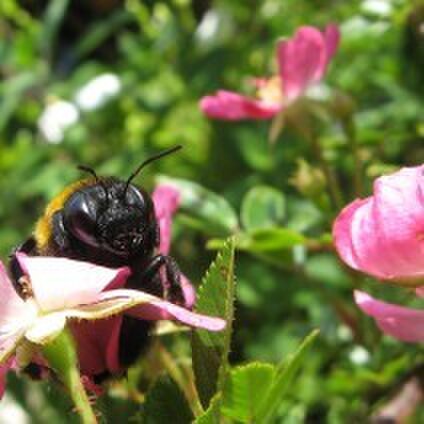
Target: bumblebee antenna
[[150, 160], [92, 172], [89, 170]]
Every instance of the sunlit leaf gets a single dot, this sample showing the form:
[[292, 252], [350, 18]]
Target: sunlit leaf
[[210, 349]]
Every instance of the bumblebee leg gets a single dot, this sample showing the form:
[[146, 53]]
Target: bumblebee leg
[[172, 288], [16, 272]]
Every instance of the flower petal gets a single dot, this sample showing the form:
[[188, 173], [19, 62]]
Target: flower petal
[[382, 235], [301, 60], [148, 307], [304, 58], [166, 200], [332, 40], [46, 328], [402, 323], [232, 106], [60, 283], [15, 316], [189, 292], [98, 345], [11, 305]]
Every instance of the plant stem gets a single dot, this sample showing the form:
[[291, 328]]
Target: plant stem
[[349, 130], [333, 184], [62, 357]]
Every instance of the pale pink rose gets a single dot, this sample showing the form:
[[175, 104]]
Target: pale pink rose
[[65, 290], [302, 61], [383, 236]]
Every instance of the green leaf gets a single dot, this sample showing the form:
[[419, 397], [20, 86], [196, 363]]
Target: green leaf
[[205, 210], [262, 207], [245, 391], [165, 403], [53, 17], [213, 414], [210, 349], [281, 247], [286, 372], [272, 239]]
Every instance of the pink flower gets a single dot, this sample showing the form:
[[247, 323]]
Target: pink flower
[[383, 235], [302, 61], [64, 290]]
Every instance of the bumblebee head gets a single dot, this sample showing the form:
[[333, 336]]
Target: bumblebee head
[[113, 216]]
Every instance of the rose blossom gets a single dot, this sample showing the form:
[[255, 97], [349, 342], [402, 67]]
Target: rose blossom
[[63, 290], [302, 61], [383, 235]]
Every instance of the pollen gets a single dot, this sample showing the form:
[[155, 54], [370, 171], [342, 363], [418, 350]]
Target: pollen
[[271, 91]]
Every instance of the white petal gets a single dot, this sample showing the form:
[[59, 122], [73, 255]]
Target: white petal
[[46, 328], [60, 283]]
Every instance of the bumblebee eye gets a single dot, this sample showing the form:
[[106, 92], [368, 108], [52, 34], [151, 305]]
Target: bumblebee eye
[[80, 217], [134, 197]]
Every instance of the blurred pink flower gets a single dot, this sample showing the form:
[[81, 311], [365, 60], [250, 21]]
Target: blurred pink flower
[[383, 235], [65, 290], [302, 61]]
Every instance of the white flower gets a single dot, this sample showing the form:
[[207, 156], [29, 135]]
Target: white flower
[[56, 118], [98, 91]]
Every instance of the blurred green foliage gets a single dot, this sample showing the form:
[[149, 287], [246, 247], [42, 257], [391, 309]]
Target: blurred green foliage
[[166, 55]]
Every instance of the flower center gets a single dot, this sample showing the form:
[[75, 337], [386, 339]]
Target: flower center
[[270, 91]]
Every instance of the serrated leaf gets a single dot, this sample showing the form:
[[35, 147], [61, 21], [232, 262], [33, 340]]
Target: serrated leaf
[[204, 209], [262, 207], [165, 403], [210, 349], [286, 371], [245, 391]]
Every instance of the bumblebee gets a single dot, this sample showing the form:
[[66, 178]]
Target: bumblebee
[[109, 222]]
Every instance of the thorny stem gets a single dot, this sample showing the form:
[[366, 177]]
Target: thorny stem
[[62, 357]]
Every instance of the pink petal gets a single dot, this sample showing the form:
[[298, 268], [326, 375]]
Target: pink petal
[[15, 315], [399, 221], [382, 235], [189, 292], [402, 323], [154, 308], [166, 200], [332, 40], [420, 291], [233, 107], [60, 283], [303, 59], [342, 233], [98, 345], [11, 305]]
